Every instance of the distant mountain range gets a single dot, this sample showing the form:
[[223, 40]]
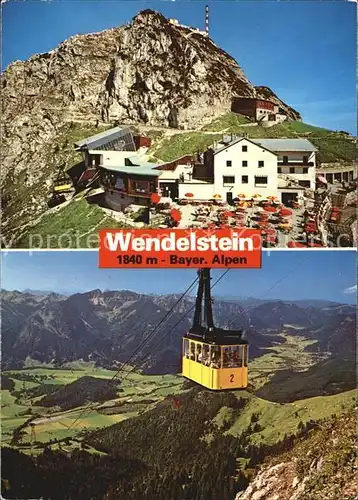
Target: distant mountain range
[[246, 302], [252, 301], [110, 327]]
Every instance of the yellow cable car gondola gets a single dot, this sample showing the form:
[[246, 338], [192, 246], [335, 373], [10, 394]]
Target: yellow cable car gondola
[[213, 357], [63, 183]]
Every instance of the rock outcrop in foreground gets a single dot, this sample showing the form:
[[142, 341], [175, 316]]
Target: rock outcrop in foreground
[[321, 466], [150, 72]]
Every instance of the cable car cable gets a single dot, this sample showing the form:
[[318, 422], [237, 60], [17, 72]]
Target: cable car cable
[[191, 309], [280, 280], [88, 408], [136, 350]]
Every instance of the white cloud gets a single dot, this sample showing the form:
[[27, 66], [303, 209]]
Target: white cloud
[[351, 289]]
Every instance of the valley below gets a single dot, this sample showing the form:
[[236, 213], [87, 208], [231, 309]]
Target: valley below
[[158, 435], [94, 405]]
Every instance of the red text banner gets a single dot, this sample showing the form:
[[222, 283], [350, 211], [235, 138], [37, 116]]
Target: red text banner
[[182, 248]]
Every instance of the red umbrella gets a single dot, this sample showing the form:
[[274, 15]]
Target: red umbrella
[[269, 208], [175, 214], [285, 211], [270, 238], [310, 228], [155, 198]]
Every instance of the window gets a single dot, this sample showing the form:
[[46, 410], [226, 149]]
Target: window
[[245, 179], [292, 170], [228, 179], [228, 163], [141, 186], [244, 163], [199, 354], [206, 355], [232, 357], [186, 348], [260, 180], [279, 170], [215, 359], [305, 170], [285, 159], [244, 149], [261, 163], [245, 354]]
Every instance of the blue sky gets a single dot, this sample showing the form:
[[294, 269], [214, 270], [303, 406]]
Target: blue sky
[[289, 275], [304, 50]]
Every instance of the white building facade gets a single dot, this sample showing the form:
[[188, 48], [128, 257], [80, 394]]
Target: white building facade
[[284, 168], [243, 167], [296, 160]]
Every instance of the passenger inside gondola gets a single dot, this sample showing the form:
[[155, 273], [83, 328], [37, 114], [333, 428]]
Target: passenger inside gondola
[[206, 355], [236, 356], [215, 357]]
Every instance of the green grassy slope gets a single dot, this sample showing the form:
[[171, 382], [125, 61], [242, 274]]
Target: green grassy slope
[[275, 420], [181, 144], [327, 377], [333, 146], [74, 225], [55, 153]]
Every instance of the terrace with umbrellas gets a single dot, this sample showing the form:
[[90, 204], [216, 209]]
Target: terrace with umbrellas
[[280, 226]]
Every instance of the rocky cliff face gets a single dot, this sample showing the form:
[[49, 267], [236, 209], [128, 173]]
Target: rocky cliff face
[[321, 466], [149, 72]]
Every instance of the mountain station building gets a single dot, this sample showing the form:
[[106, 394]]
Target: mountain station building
[[231, 167], [238, 165]]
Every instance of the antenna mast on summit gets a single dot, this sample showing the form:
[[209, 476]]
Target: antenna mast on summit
[[207, 20]]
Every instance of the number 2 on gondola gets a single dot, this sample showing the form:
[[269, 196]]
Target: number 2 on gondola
[[232, 378]]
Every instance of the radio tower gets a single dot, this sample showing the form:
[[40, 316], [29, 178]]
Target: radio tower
[[207, 20]]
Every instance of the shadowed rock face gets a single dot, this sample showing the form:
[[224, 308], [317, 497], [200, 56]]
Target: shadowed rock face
[[148, 72]]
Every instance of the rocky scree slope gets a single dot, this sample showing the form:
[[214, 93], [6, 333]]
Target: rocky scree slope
[[149, 72]]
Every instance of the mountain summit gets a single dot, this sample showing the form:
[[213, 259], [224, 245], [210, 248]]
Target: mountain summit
[[152, 71]]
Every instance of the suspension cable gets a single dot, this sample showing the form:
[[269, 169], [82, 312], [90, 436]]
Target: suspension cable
[[135, 352]]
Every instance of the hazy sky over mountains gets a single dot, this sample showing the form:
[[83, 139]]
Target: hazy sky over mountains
[[288, 275]]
